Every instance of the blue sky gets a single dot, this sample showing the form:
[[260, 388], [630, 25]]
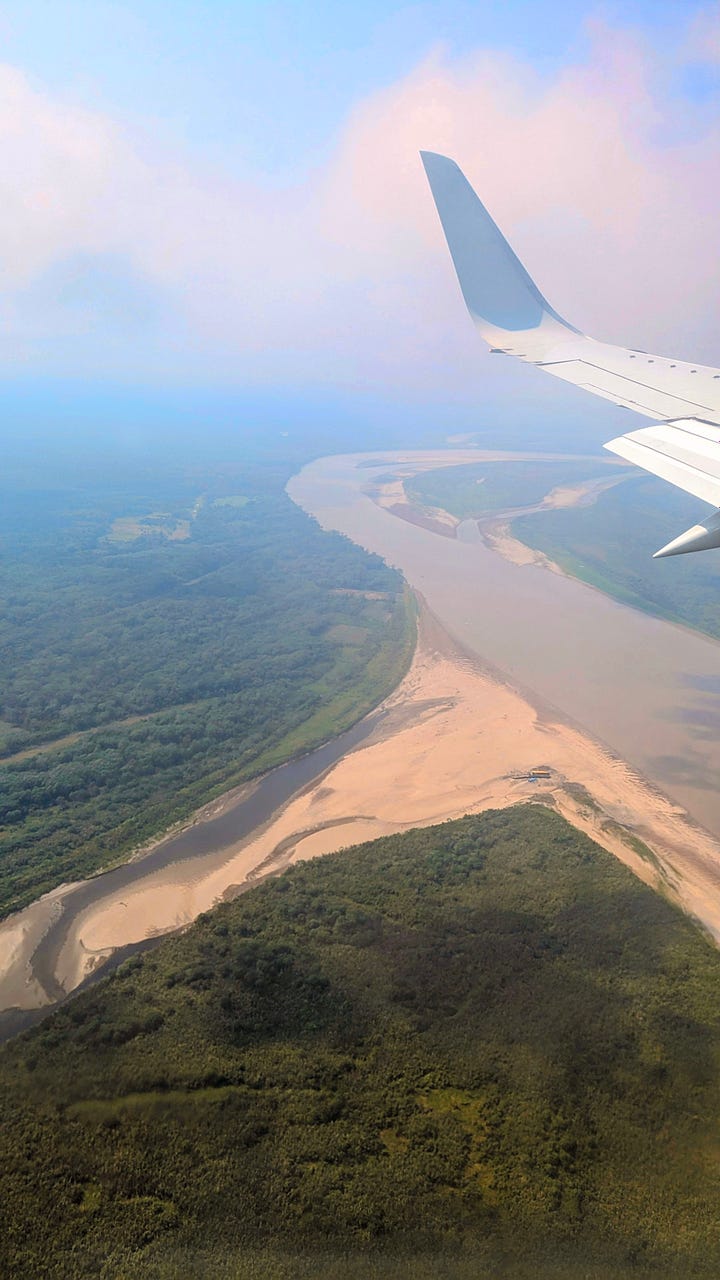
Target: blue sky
[[266, 84], [226, 194]]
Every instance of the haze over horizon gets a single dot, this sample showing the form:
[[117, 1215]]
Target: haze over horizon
[[239, 203]]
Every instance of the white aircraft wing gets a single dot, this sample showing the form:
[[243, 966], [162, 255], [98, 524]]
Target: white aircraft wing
[[515, 319]]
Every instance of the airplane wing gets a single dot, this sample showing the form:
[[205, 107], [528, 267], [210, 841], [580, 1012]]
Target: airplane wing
[[515, 319]]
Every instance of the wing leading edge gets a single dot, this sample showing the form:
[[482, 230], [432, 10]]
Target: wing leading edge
[[515, 319]]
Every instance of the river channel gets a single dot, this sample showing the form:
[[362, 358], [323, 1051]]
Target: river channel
[[646, 688]]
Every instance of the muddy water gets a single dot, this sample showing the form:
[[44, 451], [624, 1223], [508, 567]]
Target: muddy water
[[648, 689]]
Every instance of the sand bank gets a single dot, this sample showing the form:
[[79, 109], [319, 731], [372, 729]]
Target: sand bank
[[19, 936], [497, 530], [455, 741]]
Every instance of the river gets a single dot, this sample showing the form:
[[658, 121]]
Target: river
[[646, 688]]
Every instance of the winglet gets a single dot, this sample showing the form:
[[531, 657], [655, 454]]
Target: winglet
[[499, 294]]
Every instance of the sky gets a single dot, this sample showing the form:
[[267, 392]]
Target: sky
[[228, 195]]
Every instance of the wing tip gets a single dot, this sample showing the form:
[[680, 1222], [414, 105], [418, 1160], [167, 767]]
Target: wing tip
[[436, 160], [701, 537]]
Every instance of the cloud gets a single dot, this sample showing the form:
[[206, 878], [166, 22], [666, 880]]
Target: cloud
[[618, 224], [703, 38], [113, 256]]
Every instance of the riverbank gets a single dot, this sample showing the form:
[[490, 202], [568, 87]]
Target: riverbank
[[452, 740], [646, 688]]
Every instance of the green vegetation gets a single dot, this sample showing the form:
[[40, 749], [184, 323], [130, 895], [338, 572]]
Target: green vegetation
[[481, 488], [128, 528], [481, 1049], [165, 670], [234, 500], [610, 545]]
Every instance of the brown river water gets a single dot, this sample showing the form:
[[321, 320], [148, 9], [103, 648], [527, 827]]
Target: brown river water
[[648, 689]]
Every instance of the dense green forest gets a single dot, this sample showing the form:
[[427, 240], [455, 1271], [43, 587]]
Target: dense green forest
[[481, 488], [479, 1049], [167, 639], [610, 545]]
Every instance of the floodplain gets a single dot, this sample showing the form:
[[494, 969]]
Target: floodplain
[[460, 734]]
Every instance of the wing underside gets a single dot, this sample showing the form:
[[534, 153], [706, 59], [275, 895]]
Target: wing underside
[[515, 319]]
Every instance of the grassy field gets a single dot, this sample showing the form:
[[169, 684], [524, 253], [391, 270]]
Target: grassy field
[[477, 1050], [128, 528]]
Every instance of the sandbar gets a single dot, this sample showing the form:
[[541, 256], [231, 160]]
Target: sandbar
[[455, 741]]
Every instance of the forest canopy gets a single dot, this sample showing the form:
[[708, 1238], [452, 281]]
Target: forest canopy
[[479, 1049], [162, 641]]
